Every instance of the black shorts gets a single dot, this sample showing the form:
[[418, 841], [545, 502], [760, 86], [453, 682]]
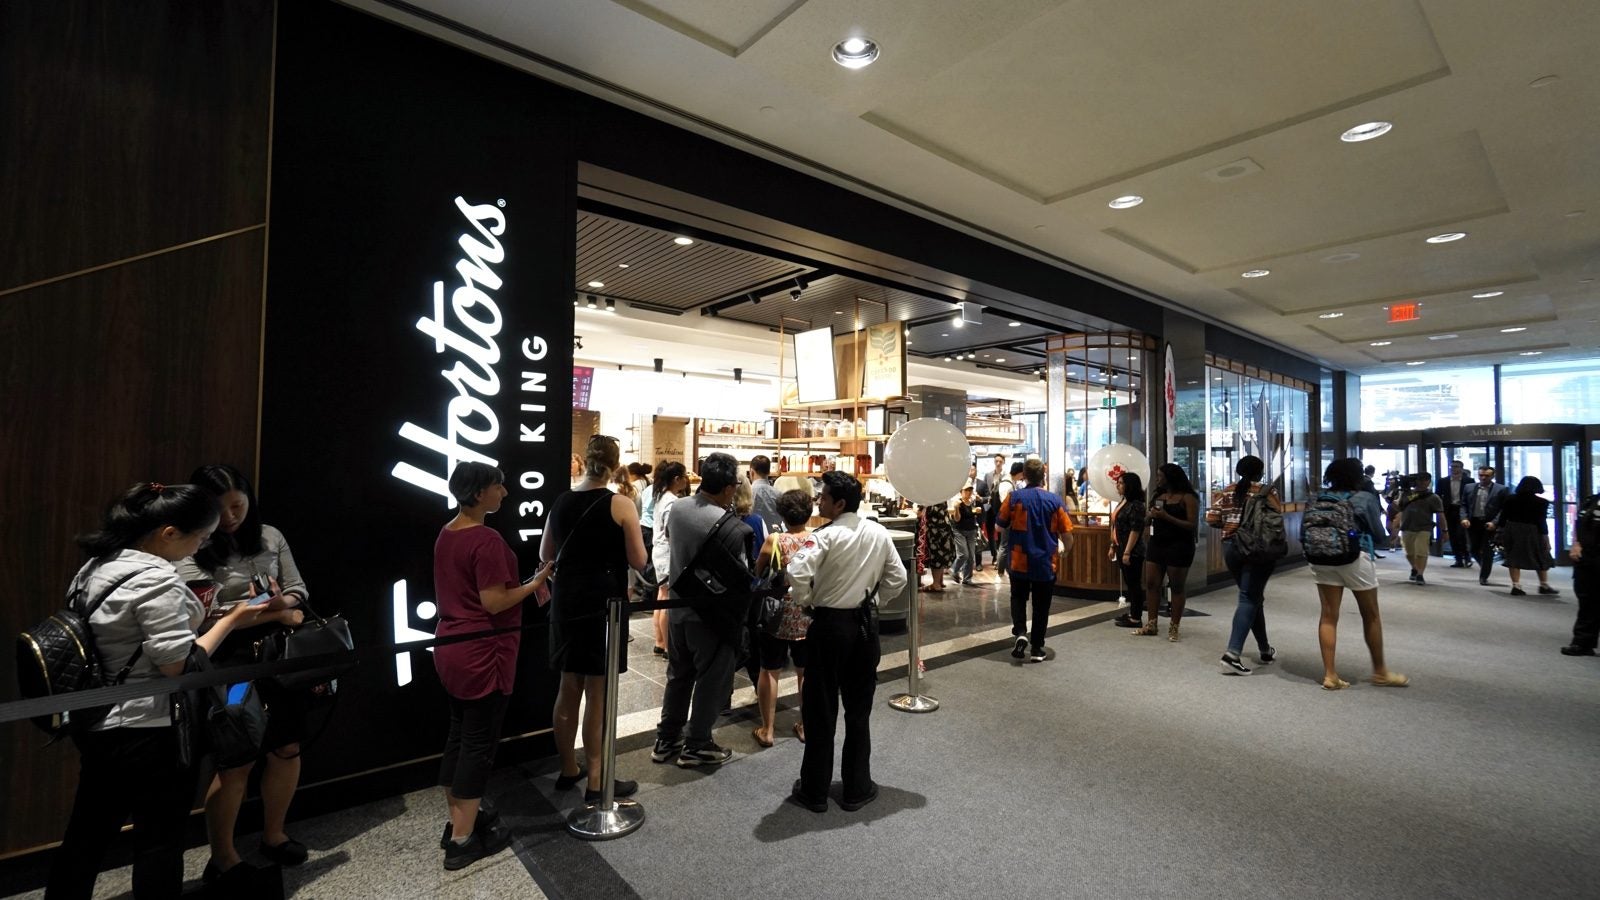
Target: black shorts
[[1179, 554], [774, 652], [287, 712]]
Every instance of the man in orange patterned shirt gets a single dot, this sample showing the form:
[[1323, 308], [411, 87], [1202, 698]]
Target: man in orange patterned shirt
[[1034, 519]]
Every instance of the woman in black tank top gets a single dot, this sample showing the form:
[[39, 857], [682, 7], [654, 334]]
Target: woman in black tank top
[[1173, 513]]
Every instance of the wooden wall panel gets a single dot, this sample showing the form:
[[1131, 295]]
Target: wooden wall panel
[[138, 372], [127, 127]]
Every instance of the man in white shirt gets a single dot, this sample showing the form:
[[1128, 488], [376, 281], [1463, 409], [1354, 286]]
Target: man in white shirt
[[839, 574]]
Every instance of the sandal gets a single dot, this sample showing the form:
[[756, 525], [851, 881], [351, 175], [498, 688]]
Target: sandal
[[1338, 684], [800, 731], [1392, 679], [1148, 629], [756, 733]]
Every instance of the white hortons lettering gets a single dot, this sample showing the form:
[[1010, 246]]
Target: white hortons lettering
[[468, 331]]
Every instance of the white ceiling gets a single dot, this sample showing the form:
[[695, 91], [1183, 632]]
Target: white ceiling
[[1022, 118]]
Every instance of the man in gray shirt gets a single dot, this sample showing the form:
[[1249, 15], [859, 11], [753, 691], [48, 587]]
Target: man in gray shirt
[[702, 639], [764, 496]]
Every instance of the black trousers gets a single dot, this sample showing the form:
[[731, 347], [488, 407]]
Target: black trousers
[[1041, 593], [469, 747], [843, 667], [1459, 547], [126, 771], [1586, 584], [1482, 545], [1133, 585]]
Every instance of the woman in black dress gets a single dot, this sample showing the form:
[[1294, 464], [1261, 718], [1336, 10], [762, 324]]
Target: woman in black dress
[[593, 538], [1127, 546], [1525, 535], [1173, 513]]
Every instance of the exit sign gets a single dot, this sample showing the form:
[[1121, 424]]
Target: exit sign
[[1405, 312], [1108, 403]]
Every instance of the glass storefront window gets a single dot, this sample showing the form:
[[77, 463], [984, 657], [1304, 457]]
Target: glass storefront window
[[1550, 392], [1413, 399], [1253, 417]]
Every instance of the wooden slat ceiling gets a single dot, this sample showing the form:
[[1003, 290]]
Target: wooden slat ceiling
[[662, 273], [831, 300]]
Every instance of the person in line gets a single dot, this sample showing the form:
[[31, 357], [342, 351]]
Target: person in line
[[939, 544], [1525, 535], [1421, 510], [744, 508], [766, 496], [988, 490], [965, 518], [1480, 508], [1586, 579], [577, 469], [839, 573], [128, 761], [1035, 519], [1174, 512], [1452, 490], [639, 476], [672, 482], [1127, 546], [592, 540], [242, 548], [1002, 535], [703, 638], [789, 642], [476, 585], [1076, 491], [622, 485], [1342, 480], [1249, 616]]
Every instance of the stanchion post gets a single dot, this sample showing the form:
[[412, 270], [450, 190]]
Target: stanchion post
[[913, 700], [610, 818]]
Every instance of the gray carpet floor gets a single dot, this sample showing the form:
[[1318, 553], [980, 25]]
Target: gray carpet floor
[[1129, 767]]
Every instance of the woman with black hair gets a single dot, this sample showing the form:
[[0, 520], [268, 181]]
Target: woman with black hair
[[1174, 512], [1525, 535], [242, 549], [1250, 575], [129, 761], [1343, 480], [1127, 546], [671, 482], [477, 589]]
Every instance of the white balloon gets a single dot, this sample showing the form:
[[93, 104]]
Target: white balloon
[[927, 460], [1109, 462]]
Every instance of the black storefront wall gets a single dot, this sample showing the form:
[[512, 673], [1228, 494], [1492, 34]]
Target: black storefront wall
[[419, 313]]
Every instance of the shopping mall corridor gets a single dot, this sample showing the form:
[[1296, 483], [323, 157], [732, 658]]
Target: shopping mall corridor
[[1122, 767]]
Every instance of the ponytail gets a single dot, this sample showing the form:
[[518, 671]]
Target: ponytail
[[146, 507]]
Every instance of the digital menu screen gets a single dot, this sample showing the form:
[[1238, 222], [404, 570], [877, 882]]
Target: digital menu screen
[[813, 357]]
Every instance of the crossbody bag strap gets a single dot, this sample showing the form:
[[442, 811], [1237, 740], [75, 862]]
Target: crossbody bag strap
[[86, 612]]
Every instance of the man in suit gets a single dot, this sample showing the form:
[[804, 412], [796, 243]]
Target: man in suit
[[1480, 505], [1451, 488]]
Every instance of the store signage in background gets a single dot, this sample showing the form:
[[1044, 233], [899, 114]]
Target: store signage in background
[[668, 439], [1170, 394], [885, 372], [813, 365], [582, 384]]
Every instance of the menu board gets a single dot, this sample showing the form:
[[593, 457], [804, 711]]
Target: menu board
[[582, 382], [813, 358]]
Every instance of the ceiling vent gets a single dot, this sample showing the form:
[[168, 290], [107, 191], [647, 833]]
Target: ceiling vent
[[1239, 168]]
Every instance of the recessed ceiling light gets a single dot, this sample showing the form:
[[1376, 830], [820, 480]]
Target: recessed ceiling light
[[611, 305], [1341, 257], [622, 265], [1014, 324], [999, 359], [1487, 294], [855, 52], [908, 342], [1447, 237], [944, 334], [957, 322], [596, 284], [1544, 81], [948, 359], [1530, 353], [1513, 330], [1366, 132], [682, 241], [1417, 362], [838, 312], [1330, 315], [1380, 343], [1442, 337], [1126, 201], [1255, 273]]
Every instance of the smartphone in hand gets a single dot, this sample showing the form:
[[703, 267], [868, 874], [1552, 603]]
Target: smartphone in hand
[[260, 595]]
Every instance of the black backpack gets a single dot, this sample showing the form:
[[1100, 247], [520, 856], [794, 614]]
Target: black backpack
[[58, 656]]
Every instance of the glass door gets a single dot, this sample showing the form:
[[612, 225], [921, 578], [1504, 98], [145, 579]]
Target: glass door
[[1538, 461]]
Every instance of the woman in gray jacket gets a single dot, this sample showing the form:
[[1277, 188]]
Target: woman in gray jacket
[[146, 624]]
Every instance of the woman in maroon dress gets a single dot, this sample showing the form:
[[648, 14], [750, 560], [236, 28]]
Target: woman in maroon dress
[[475, 581]]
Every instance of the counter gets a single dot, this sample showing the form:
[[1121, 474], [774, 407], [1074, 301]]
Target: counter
[[1084, 571]]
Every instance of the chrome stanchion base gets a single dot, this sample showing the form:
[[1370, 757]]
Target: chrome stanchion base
[[913, 703], [597, 823]]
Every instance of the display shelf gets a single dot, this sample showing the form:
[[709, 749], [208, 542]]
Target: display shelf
[[734, 440], [841, 403]]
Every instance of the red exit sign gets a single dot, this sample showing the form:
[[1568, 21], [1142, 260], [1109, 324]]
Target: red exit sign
[[1405, 312]]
